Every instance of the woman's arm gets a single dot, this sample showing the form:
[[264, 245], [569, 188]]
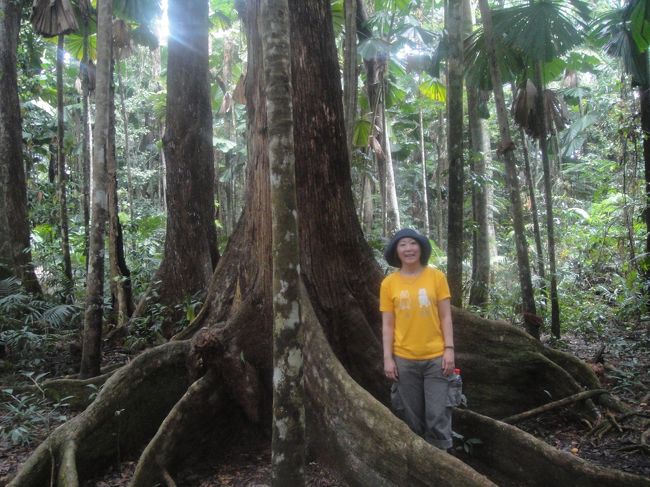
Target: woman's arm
[[448, 356], [388, 335]]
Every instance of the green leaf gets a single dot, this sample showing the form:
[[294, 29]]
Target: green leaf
[[362, 130], [543, 30], [74, 45], [434, 90], [572, 138]]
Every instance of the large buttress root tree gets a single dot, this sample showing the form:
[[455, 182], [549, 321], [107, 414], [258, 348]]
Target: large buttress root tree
[[349, 425]]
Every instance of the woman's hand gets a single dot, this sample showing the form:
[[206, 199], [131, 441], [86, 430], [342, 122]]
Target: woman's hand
[[390, 368], [448, 361]]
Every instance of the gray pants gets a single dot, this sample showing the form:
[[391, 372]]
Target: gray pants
[[420, 398]]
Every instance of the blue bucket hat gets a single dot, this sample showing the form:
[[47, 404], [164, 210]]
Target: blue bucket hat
[[390, 253]]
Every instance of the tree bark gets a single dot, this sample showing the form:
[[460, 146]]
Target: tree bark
[[15, 249], [541, 268], [60, 152], [480, 156], [423, 170], [350, 71], [190, 243], [506, 148], [85, 117], [548, 197], [288, 443], [93, 316], [120, 275], [454, 17]]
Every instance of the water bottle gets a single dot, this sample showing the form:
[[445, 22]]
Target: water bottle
[[456, 397]]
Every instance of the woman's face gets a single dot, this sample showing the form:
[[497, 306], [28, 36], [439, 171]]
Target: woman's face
[[408, 251]]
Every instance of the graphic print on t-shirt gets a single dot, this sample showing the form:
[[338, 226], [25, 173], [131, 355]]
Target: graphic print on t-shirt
[[423, 299], [404, 300]]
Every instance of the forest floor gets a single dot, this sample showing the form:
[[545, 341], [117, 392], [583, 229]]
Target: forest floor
[[617, 441]]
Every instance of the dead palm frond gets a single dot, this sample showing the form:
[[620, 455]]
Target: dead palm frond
[[53, 17], [524, 110]]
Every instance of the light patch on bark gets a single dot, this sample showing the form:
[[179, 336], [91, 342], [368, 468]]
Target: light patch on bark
[[282, 427], [294, 359], [278, 376]]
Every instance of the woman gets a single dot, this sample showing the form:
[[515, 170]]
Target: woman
[[418, 338]]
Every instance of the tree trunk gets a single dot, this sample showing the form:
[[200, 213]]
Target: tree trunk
[[480, 156], [288, 444], [127, 155], [548, 197], [348, 427], [120, 275], [393, 222], [506, 148], [87, 132], [480, 143], [541, 269], [191, 241], [441, 167], [63, 204], [350, 71], [454, 17], [93, 317], [15, 250], [644, 90], [423, 169]]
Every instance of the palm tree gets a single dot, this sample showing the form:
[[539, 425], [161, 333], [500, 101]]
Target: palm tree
[[51, 19], [506, 149], [542, 31]]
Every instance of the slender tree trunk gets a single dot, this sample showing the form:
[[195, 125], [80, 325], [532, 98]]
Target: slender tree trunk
[[423, 169], [506, 148], [350, 71], [441, 166], [368, 210], [393, 222], [15, 250], [548, 196], [127, 152], [530, 183], [288, 444], [190, 243], [645, 127], [455, 149], [63, 204], [120, 283], [92, 335], [480, 144], [480, 154], [87, 132]]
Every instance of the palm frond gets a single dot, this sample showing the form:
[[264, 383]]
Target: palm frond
[[10, 285], [613, 31], [60, 315], [140, 11], [53, 17], [543, 30], [477, 68]]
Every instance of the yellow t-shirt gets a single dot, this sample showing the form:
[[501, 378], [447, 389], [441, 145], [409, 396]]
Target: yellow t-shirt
[[414, 300]]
